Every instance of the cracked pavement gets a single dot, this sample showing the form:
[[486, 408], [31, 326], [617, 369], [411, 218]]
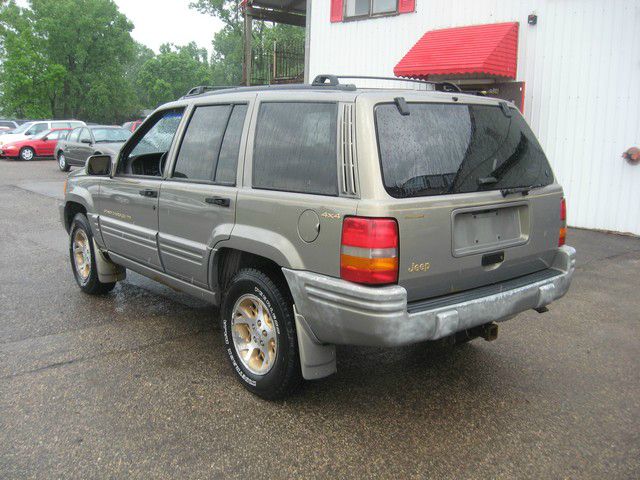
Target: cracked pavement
[[135, 384]]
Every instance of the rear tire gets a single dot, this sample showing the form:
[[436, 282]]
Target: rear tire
[[62, 162], [82, 256], [27, 154], [260, 336]]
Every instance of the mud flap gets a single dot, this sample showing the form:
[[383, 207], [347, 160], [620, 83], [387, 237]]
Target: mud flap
[[108, 271], [316, 360]]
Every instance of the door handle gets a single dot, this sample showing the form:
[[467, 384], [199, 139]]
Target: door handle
[[149, 193], [220, 201]]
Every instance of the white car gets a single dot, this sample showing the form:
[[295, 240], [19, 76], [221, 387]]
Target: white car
[[29, 129]]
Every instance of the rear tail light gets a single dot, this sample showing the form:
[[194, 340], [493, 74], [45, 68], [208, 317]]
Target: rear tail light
[[563, 226], [369, 250]]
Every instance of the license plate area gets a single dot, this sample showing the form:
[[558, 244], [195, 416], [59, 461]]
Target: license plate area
[[488, 228]]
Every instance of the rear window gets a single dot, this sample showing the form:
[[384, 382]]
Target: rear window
[[442, 148], [295, 148]]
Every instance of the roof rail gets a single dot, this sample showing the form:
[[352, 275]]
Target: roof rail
[[334, 81], [200, 89], [209, 90]]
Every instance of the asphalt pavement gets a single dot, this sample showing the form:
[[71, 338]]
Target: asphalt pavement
[[135, 384]]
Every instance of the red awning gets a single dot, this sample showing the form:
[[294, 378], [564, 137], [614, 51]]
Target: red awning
[[478, 51]]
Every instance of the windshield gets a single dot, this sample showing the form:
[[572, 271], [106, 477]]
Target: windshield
[[23, 128], [445, 148], [110, 135]]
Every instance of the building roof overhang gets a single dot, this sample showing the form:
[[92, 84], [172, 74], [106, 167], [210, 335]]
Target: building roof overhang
[[290, 12]]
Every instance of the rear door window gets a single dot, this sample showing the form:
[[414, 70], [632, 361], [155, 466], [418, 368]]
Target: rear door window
[[201, 144], [57, 134], [295, 148], [225, 170], [442, 148], [60, 125]]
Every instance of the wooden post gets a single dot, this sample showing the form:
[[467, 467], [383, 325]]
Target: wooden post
[[246, 65], [275, 61]]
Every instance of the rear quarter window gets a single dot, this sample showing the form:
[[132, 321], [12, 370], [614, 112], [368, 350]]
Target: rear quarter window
[[295, 148]]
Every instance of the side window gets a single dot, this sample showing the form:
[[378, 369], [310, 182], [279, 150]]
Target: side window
[[74, 136], [201, 144], [228, 160], [361, 9], [147, 152], [37, 128], [60, 125], [85, 135], [295, 148], [60, 134]]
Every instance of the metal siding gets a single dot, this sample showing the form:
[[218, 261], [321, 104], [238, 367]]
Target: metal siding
[[581, 65]]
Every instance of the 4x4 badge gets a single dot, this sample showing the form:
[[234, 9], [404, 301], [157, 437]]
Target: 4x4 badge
[[333, 216]]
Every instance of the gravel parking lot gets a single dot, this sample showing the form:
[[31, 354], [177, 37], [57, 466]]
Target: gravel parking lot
[[136, 385]]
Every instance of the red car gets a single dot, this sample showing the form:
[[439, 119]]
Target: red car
[[41, 145], [132, 126]]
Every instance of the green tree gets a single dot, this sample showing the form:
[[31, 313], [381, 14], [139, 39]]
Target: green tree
[[171, 73], [67, 58], [228, 46], [92, 40], [30, 83]]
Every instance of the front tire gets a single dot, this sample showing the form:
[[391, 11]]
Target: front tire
[[82, 256], [62, 162], [27, 154], [259, 334]]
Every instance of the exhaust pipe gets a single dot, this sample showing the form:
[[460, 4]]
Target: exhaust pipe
[[489, 331]]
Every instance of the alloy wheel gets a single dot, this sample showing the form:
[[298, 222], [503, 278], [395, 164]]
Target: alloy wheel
[[82, 254], [27, 154], [254, 334]]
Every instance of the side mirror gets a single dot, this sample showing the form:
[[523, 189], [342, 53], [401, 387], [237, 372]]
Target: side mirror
[[99, 165], [86, 140]]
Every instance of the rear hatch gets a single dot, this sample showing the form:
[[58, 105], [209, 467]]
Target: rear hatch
[[472, 191]]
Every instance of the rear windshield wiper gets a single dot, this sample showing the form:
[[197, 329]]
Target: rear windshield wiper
[[523, 190]]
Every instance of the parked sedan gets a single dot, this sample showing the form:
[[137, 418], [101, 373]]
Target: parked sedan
[[34, 127], [7, 125], [83, 142], [39, 146]]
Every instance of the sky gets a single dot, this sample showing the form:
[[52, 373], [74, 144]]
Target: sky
[[169, 21]]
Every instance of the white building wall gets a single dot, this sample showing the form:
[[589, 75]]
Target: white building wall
[[581, 65]]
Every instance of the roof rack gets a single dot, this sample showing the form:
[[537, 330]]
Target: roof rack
[[324, 81], [334, 81]]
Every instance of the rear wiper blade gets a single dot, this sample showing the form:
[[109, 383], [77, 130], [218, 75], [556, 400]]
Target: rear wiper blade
[[523, 190]]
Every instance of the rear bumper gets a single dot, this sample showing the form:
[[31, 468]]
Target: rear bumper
[[335, 311]]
